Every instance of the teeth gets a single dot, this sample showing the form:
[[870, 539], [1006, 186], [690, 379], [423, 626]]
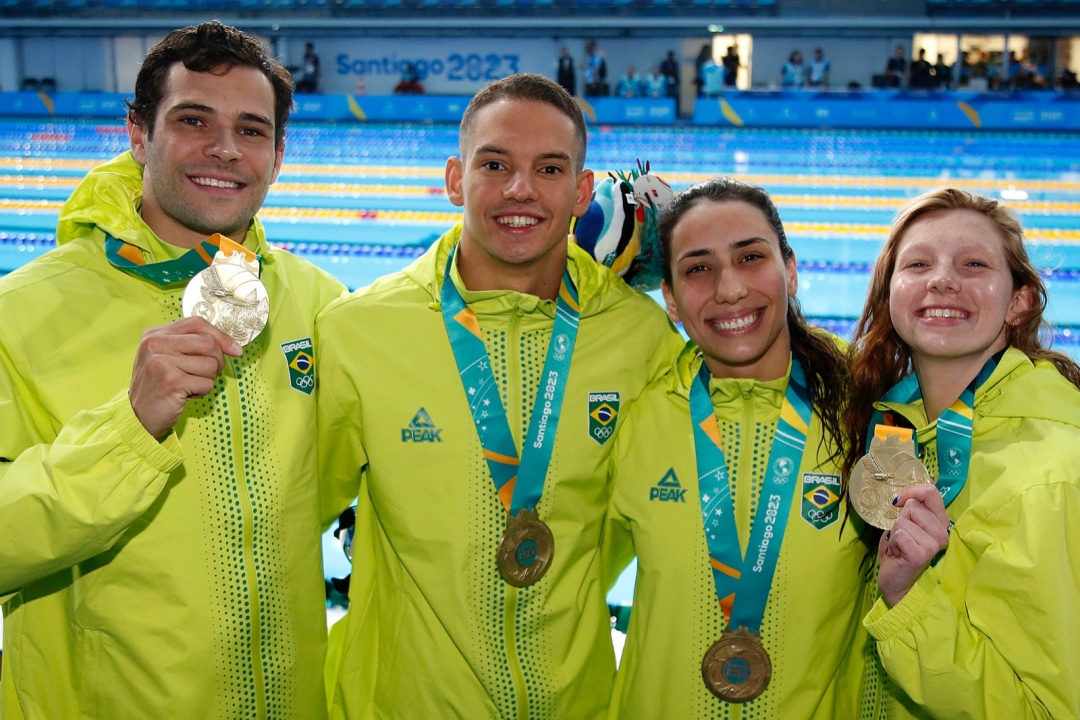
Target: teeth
[[737, 324], [518, 221], [944, 313], [213, 182]]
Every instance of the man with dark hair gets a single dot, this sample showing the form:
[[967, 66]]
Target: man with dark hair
[[475, 397], [161, 553]]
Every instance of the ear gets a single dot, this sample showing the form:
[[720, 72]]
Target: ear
[[278, 157], [584, 192], [137, 138], [1021, 304], [669, 301], [792, 276], [454, 175]]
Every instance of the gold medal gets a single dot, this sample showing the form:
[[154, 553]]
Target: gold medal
[[526, 549], [737, 668], [229, 294], [881, 475]]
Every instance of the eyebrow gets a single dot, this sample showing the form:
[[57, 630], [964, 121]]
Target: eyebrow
[[737, 245], [496, 150], [207, 110]]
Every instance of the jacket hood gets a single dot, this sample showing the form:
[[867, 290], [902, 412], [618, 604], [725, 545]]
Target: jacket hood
[[598, 287], [108, 201]]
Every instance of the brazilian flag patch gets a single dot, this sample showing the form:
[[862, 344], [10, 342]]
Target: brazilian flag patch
[[300, 358], [820, 499], [603, 413]]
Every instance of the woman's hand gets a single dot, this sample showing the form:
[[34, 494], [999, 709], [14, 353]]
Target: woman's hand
[[917, 536]]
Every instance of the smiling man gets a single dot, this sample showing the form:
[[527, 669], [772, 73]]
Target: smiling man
[[475, 396], [161, 553]]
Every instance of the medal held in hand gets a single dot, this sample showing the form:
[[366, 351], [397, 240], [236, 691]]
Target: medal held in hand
[[526, 549], [881, 475], [737, 668], [229, 294]]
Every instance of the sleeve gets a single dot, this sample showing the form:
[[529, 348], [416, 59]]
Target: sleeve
[[617, 540], [1010, 647], [342, 458], [66, 498]]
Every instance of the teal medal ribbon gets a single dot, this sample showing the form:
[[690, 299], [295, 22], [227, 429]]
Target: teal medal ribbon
[[128, 258], [954, 427], [518, 483], [742, 584]]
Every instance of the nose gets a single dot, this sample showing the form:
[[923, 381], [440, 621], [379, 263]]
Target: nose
[[224, 147], [943, 278], [730, 287], [520, 187]]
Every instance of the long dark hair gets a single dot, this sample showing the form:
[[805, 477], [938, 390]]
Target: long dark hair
[[824, 361]]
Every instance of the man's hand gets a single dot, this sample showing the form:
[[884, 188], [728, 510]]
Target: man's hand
[[176, 362], [917, 536]]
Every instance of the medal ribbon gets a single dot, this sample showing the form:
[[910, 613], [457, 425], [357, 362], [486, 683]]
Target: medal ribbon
[[954, 427], [519, 483], [749, 577], [129, 258]]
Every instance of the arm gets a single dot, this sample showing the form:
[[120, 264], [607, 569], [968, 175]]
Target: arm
[[339, 435], [1002, 642], [68, 494]]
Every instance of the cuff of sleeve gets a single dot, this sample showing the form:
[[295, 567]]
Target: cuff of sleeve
[[883, 622], [163, 456]]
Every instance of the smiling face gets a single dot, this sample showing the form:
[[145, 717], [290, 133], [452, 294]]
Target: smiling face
[[212, 156], [730, 287], [951, 294], [518, 182]]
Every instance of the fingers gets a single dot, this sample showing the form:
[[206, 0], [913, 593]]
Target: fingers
[[175, 362], [922, 512]]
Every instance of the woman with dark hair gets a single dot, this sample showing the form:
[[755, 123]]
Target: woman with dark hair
[[727, 487], [980, 571]]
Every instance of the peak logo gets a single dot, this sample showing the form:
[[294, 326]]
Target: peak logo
[[421, 429], [300, 359], [668, 489]]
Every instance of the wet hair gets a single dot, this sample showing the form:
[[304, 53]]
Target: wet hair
[[821, 358], [530, 87], [211, 47], [880, 359]]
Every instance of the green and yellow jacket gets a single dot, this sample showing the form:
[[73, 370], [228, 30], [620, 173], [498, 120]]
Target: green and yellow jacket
[[432, 629], [179, 579], [811, 627], [993, 629]]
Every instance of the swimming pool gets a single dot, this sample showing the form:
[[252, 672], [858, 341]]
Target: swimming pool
[[362, 200]]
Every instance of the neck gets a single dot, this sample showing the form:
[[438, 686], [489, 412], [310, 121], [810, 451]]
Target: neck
[[542, 279], [943, 380]]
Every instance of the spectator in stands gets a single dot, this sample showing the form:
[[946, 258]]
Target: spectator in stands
[[410, 81], [630, 84], [713, 77], [655, 84], [966, 68], [942, 73], [669, 68], [160, 518], [566, 74], [793, 72], [922, 72], [731, 63], [896, 67], [818, 73], [309, 71], [596, 83], [703, 59]]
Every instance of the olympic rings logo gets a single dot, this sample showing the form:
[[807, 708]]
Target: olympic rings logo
[[304, 381]]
